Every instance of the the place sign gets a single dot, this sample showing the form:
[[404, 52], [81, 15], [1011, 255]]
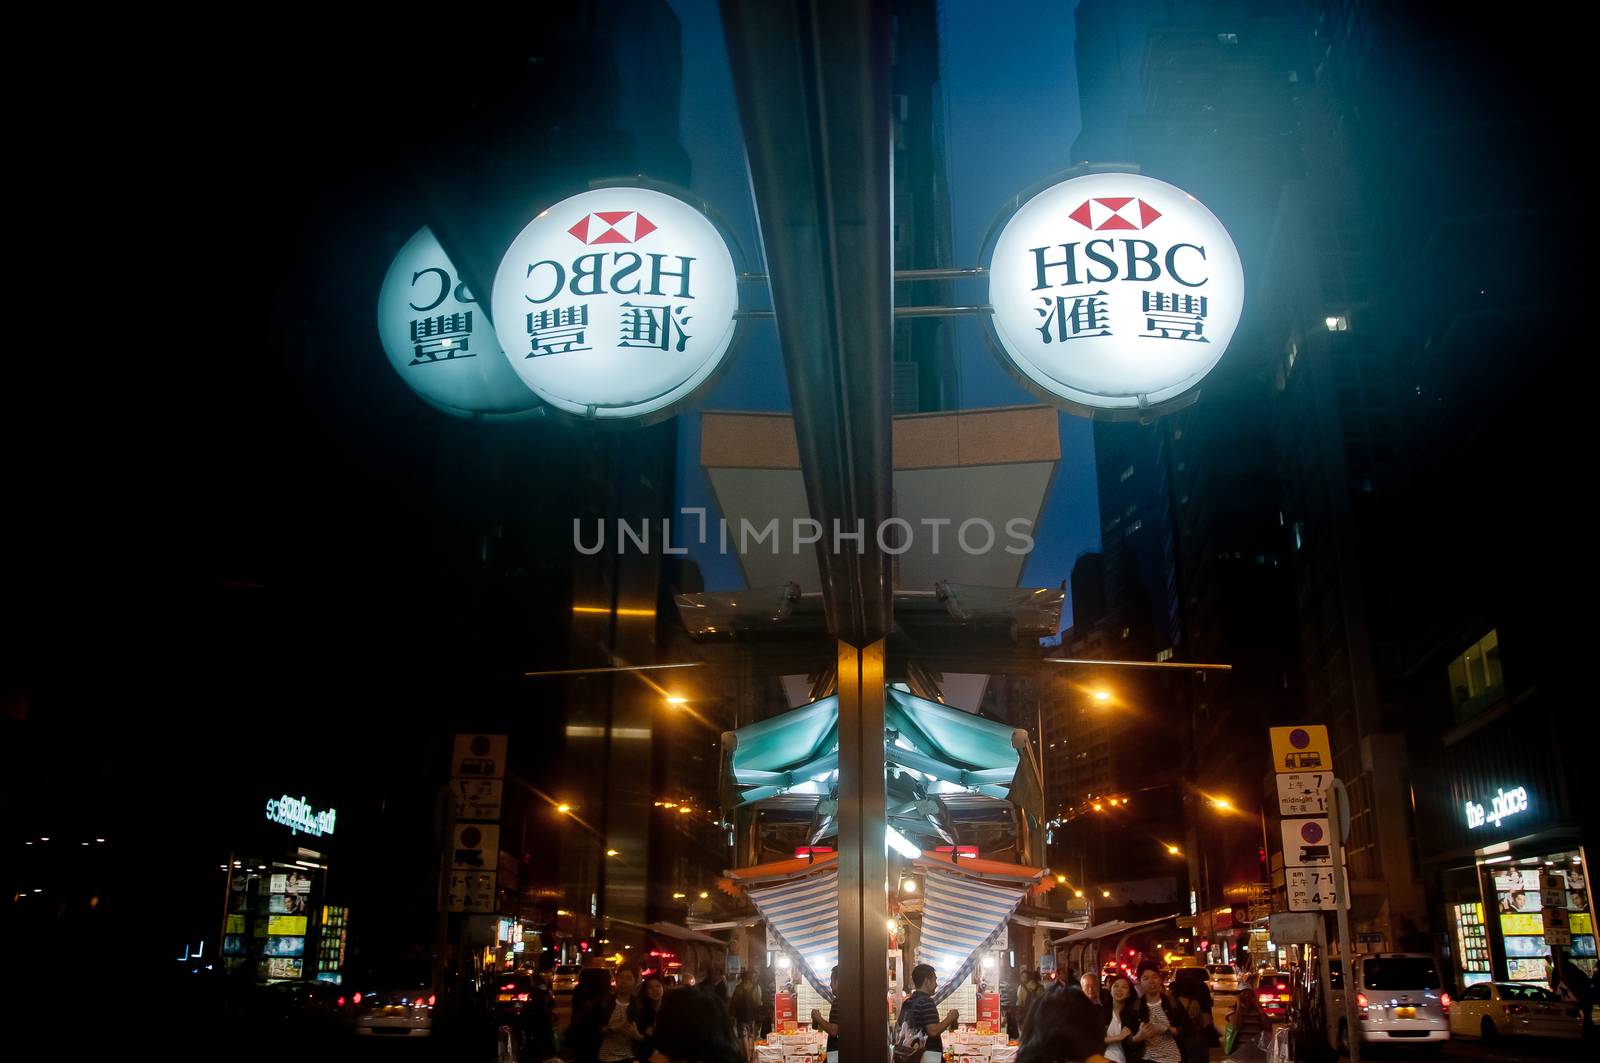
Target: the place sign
[[297, 814], [1503, 805]]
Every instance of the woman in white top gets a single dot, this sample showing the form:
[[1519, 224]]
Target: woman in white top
[[1122, 1024]]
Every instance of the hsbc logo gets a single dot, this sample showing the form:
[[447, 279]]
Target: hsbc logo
[[1115, 212], [613, 227]]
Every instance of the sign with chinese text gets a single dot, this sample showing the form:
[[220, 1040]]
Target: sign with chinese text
[[1114, 291], [438, 339], [1311, 889], [617, 303], [1298, 749], [477, 798], [471, 891], [1303, 793]]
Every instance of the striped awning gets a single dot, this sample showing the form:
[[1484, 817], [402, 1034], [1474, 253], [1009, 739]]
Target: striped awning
[[961, 917], [804, 916]]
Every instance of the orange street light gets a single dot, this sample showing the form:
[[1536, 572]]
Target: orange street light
[[1173, 849], [1102, 696], [677, 699], [564, 808]]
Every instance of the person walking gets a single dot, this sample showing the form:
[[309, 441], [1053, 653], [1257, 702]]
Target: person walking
[[1162, 1023], [590, 1009], [1249, 1022], [646, 1010], [1028, 994], [1189, 989], [619, 1034], [746, 1009], [1089, 985], [691, 1028], [1122, 1020]]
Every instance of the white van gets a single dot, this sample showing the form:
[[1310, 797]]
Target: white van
[[1398, 1000]]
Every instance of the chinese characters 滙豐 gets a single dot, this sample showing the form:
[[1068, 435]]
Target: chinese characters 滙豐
[[1167, 316], [441, 338], [561, 330]]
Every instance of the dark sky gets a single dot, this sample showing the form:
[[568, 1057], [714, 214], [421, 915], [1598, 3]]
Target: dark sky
[[1011, 97]]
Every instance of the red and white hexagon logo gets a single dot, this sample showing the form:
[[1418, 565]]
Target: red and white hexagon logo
[[1115, 212], [612, 227]]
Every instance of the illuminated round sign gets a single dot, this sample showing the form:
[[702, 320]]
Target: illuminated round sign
[[438, 339], [1114, 291], [617, 303]]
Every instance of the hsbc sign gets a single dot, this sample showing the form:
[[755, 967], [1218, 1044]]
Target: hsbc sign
[[1114, 291], [617, 303]]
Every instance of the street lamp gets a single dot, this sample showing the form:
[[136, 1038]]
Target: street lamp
[[564, 808], [612, 852], [1102, 696], [1173, 849], [677, 699]]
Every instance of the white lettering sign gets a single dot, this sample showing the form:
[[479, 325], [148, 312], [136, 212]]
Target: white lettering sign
[[296, 814], [1503, 805], [616, 303], [1114, 291]]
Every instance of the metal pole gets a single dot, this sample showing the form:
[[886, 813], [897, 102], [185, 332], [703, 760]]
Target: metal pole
[[863, 868], [1338, 815]]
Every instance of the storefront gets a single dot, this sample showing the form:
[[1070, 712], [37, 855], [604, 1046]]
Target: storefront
[[278, 923], [1501, 817]]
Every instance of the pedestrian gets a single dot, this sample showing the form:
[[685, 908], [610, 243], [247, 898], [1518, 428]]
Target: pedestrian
[[746, 1009], [1028, 994], [1122, 1020], [919, 1017], [619, 1034], [1064, 1028], [646, 1011], [590, 1009], [1249, 1022], [536, 1027], [1094, 993], [1162, 1023], [830, 1025], [1189, 989], [692, 1028]]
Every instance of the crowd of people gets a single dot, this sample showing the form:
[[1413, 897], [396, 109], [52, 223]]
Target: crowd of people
[[617, 1017]]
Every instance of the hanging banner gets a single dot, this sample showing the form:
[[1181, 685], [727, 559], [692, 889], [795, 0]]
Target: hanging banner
[[617, 303], [438, 338], [1113, 291]]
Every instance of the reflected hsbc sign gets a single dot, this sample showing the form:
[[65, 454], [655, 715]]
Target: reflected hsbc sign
[[617, 303], [1503, 805], [1114, 291]]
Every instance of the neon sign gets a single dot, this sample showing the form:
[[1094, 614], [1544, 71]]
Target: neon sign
[[297, 815], [1504, 805]]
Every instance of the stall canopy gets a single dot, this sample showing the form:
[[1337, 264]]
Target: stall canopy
[[940, 764], [961, 917]]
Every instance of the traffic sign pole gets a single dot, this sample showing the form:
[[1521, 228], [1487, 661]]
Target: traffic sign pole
[[1340, 821]]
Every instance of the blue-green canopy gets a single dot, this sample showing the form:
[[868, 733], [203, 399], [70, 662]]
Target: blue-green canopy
[[934, 756]]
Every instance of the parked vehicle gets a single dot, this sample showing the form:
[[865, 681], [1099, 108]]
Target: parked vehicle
[[1398, 1000], [1491, 1009]]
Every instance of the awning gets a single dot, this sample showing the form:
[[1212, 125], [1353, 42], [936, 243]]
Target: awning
[[683, 933], [960, 917], [804, 916], [1105, 930]]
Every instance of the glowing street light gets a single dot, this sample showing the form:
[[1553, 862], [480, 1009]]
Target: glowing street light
[[909, 885], [612, 852], [1105, 893], [1173, 849], [677, 699], [1077, 893], [1102, 696], [564, 808], [679, 896], [1222, 802], [1062, 879], [704, 894]]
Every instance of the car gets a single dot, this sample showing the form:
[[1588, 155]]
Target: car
[[404, 1011], [1224, 978], [1275, 992], [564, 977], [514, 990], [1398, 1000], [1491, 1009]]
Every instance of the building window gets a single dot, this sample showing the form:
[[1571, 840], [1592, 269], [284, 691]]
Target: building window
[[1475, 678], [1135, 526], [1127, 474], [1338, 323], [1165, 655], [1227, 38]]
